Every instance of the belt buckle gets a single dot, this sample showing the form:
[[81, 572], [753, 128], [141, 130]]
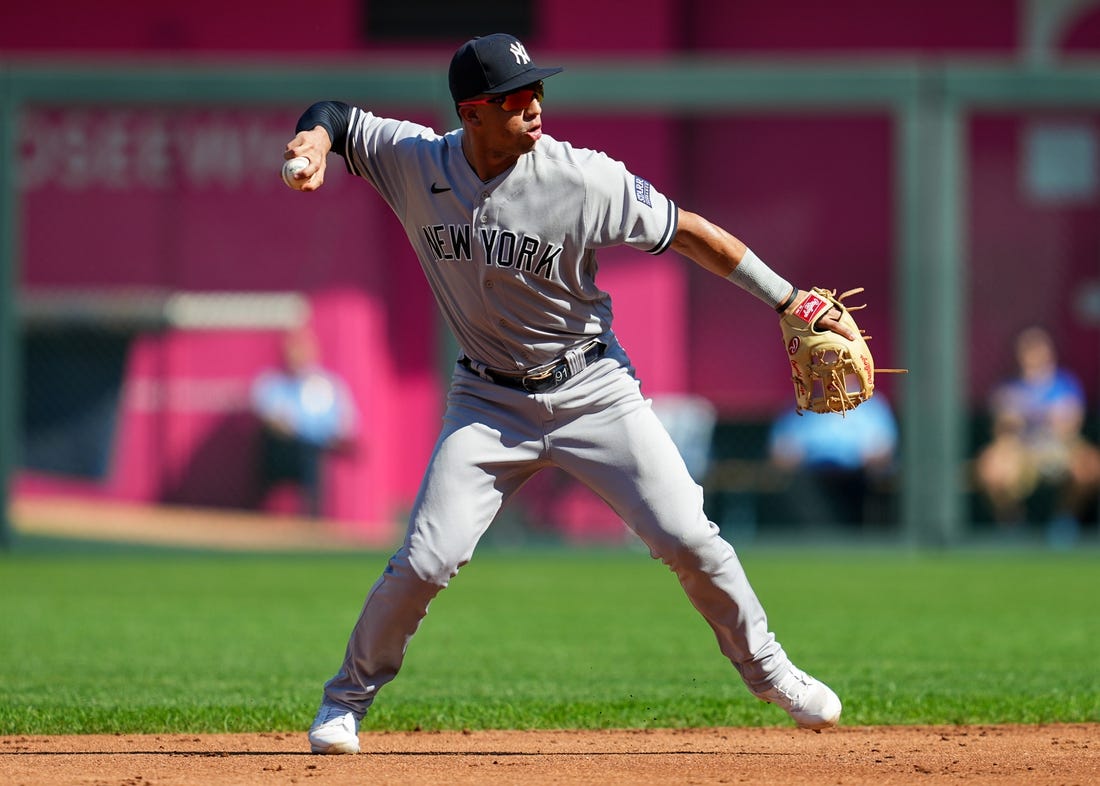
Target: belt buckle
[[534, 383], [560, 371], [548, 379]]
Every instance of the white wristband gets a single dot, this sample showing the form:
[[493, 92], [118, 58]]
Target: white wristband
[[756, 278]]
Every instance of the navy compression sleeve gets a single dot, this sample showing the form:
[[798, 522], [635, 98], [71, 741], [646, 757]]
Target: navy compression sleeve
[[333, 116]]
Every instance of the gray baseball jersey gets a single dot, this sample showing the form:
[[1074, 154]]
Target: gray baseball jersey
[[512, 262]]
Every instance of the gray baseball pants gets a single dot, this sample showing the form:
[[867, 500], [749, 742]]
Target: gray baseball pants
[[598, 428]]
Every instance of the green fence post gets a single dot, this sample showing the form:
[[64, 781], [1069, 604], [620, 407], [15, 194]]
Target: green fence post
[[9, 333], [933, 282]]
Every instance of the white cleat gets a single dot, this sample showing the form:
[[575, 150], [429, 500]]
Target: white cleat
[[334, 730], [811, 703]]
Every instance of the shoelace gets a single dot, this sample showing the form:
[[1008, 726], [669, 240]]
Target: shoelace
[[331, 713], [784, 687]]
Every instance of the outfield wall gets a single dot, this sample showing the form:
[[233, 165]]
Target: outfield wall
[[922, 181]]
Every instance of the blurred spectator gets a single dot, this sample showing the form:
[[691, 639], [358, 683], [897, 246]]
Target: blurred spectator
[[835, 464], [1038, 466], [306, 411]]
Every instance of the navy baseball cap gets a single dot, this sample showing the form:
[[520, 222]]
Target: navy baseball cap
[[496, 63]]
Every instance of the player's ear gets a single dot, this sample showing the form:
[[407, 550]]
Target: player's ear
[[468, 114]]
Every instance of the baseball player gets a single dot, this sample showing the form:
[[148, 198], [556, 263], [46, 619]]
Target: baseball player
[[506, 222]]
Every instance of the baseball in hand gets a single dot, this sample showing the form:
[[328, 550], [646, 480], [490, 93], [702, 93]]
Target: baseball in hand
[[293, 167]]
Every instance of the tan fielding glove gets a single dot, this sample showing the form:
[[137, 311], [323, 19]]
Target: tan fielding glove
[[830, 372]]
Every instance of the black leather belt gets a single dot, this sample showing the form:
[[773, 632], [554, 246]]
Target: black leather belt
[[546, 378]]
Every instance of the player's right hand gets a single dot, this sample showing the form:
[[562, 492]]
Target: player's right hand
[[314, 145]]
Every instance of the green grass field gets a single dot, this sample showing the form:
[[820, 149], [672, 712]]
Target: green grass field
[[117, 640]]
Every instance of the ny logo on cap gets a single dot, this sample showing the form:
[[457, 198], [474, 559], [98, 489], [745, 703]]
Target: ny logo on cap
[[521, 54]]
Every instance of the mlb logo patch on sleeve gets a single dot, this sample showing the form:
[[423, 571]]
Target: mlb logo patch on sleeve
[[641, 191]]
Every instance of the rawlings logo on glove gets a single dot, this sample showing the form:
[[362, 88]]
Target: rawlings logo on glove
[[830, 372]]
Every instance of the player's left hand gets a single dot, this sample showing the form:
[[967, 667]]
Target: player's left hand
[[834, 321]]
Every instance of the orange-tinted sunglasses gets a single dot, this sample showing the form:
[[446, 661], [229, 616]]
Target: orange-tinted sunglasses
[[514, 101]]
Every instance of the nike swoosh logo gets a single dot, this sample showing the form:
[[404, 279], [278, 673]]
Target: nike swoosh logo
[[437, 190]]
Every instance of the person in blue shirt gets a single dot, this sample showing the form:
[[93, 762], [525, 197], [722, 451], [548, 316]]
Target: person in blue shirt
[[833, 462], [1038, 466], [305, 411]]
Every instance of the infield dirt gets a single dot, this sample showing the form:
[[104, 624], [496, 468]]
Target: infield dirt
[[1055, 754]]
